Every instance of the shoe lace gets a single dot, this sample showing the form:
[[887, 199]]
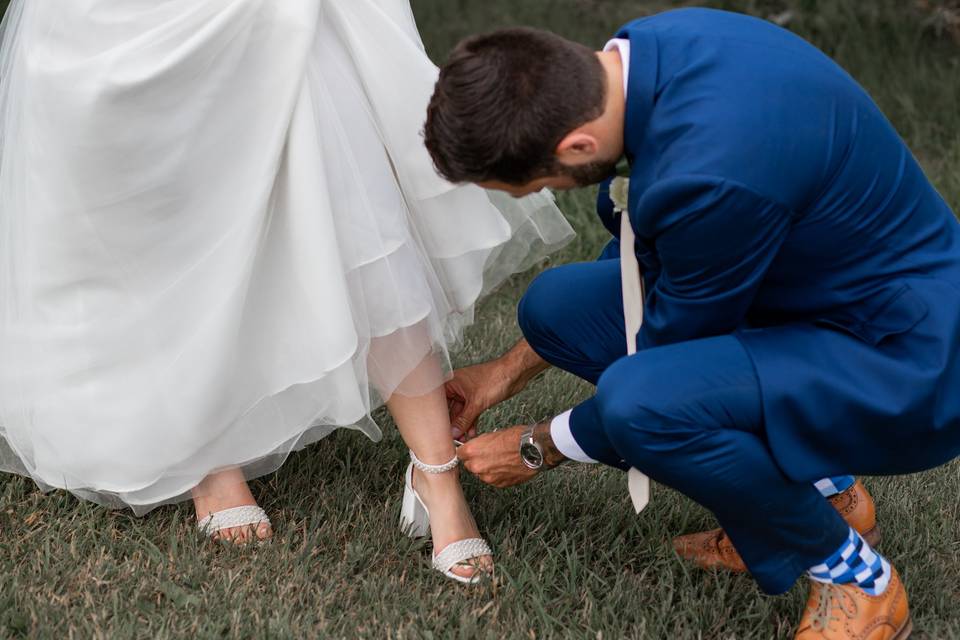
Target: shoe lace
[[824, 611]]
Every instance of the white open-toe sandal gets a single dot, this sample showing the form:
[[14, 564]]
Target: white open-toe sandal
[[415, 522], [246, 516]]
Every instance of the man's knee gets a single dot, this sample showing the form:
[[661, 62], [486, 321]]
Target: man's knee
[[537, 311], [636, 409], [571, 318]]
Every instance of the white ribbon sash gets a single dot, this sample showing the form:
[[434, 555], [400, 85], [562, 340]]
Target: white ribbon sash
[[631, 284]]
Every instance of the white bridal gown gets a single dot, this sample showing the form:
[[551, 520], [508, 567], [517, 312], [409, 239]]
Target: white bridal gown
[[221, 236]]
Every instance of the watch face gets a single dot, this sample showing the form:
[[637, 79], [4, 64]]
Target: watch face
[[531, 455]]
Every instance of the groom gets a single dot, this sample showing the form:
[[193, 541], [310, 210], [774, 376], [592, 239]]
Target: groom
[[802, 289]]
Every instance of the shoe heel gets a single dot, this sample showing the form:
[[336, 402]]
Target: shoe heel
[[872, 536], [414, 518], [905, 631]]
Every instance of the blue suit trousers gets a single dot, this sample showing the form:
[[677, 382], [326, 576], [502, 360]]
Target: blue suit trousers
[[689, 415]]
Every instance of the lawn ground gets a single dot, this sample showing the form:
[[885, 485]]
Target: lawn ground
[[573, 561]]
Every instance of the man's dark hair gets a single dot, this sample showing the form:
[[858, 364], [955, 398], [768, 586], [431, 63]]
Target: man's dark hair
[[505, 100]]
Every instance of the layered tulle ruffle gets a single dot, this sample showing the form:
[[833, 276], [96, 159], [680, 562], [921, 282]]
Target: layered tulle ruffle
[[221, 237]]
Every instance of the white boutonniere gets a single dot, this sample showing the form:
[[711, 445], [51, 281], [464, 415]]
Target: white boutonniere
[[620, 194]]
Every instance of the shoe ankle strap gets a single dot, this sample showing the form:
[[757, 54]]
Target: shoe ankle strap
[[433, 468]]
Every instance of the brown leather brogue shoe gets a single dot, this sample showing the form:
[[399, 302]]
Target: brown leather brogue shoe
[[713, 548], [709, 549], [857, 508], [847, 612]]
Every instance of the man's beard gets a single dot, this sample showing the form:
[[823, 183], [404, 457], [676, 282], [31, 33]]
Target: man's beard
[[591, 173]]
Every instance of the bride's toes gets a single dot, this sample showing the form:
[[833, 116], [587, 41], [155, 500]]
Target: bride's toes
[[245, 534], [261, 532], [468, 560], [475, 567]]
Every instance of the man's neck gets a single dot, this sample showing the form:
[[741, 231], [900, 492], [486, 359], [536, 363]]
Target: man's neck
[[609, 127]]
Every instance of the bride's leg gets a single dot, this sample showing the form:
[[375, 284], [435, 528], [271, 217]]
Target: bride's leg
[[424, 423], [225, 490]]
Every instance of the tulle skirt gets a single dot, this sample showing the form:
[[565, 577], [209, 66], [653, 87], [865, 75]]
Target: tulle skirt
[[221, 237]]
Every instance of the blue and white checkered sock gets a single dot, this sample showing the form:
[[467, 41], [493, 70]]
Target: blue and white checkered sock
[[855, 562], [832, 486]]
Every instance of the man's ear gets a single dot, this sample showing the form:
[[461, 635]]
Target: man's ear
[[577, 147]]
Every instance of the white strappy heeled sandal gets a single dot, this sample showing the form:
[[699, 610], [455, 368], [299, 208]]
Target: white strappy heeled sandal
[[415, 522], [246, 516]]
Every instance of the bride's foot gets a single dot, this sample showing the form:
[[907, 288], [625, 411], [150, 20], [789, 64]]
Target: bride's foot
[[221, 492], [450, 518]]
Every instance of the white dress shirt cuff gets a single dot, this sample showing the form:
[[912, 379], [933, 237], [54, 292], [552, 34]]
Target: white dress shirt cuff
[[563, 439]]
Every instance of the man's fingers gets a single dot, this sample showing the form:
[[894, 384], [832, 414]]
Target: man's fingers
[[464, 420], [478, 470], [455, 409], [455, 405], [452, 390], [465, 453], [471, 463]]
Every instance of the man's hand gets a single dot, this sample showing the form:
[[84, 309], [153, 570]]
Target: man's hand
[[495, 458], [472, 391], [475, 389]]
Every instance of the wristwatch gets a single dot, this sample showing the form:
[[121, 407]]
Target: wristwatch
[[531, 453]]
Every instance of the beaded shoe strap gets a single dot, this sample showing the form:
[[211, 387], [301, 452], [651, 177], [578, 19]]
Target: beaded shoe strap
[[460, 552], [230, 518], [433, 468]]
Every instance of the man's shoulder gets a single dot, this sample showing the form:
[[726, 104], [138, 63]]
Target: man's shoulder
[[697, 19], [695, 34]]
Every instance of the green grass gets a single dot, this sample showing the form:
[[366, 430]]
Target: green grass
[[573, 561]]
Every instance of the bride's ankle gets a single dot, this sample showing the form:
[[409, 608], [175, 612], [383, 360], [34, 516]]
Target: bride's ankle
[[437, 483]]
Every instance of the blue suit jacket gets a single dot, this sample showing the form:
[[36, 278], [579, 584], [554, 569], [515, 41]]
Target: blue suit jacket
[[772, 199]]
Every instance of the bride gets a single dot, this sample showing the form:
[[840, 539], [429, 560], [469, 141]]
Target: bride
[[221, 238]]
